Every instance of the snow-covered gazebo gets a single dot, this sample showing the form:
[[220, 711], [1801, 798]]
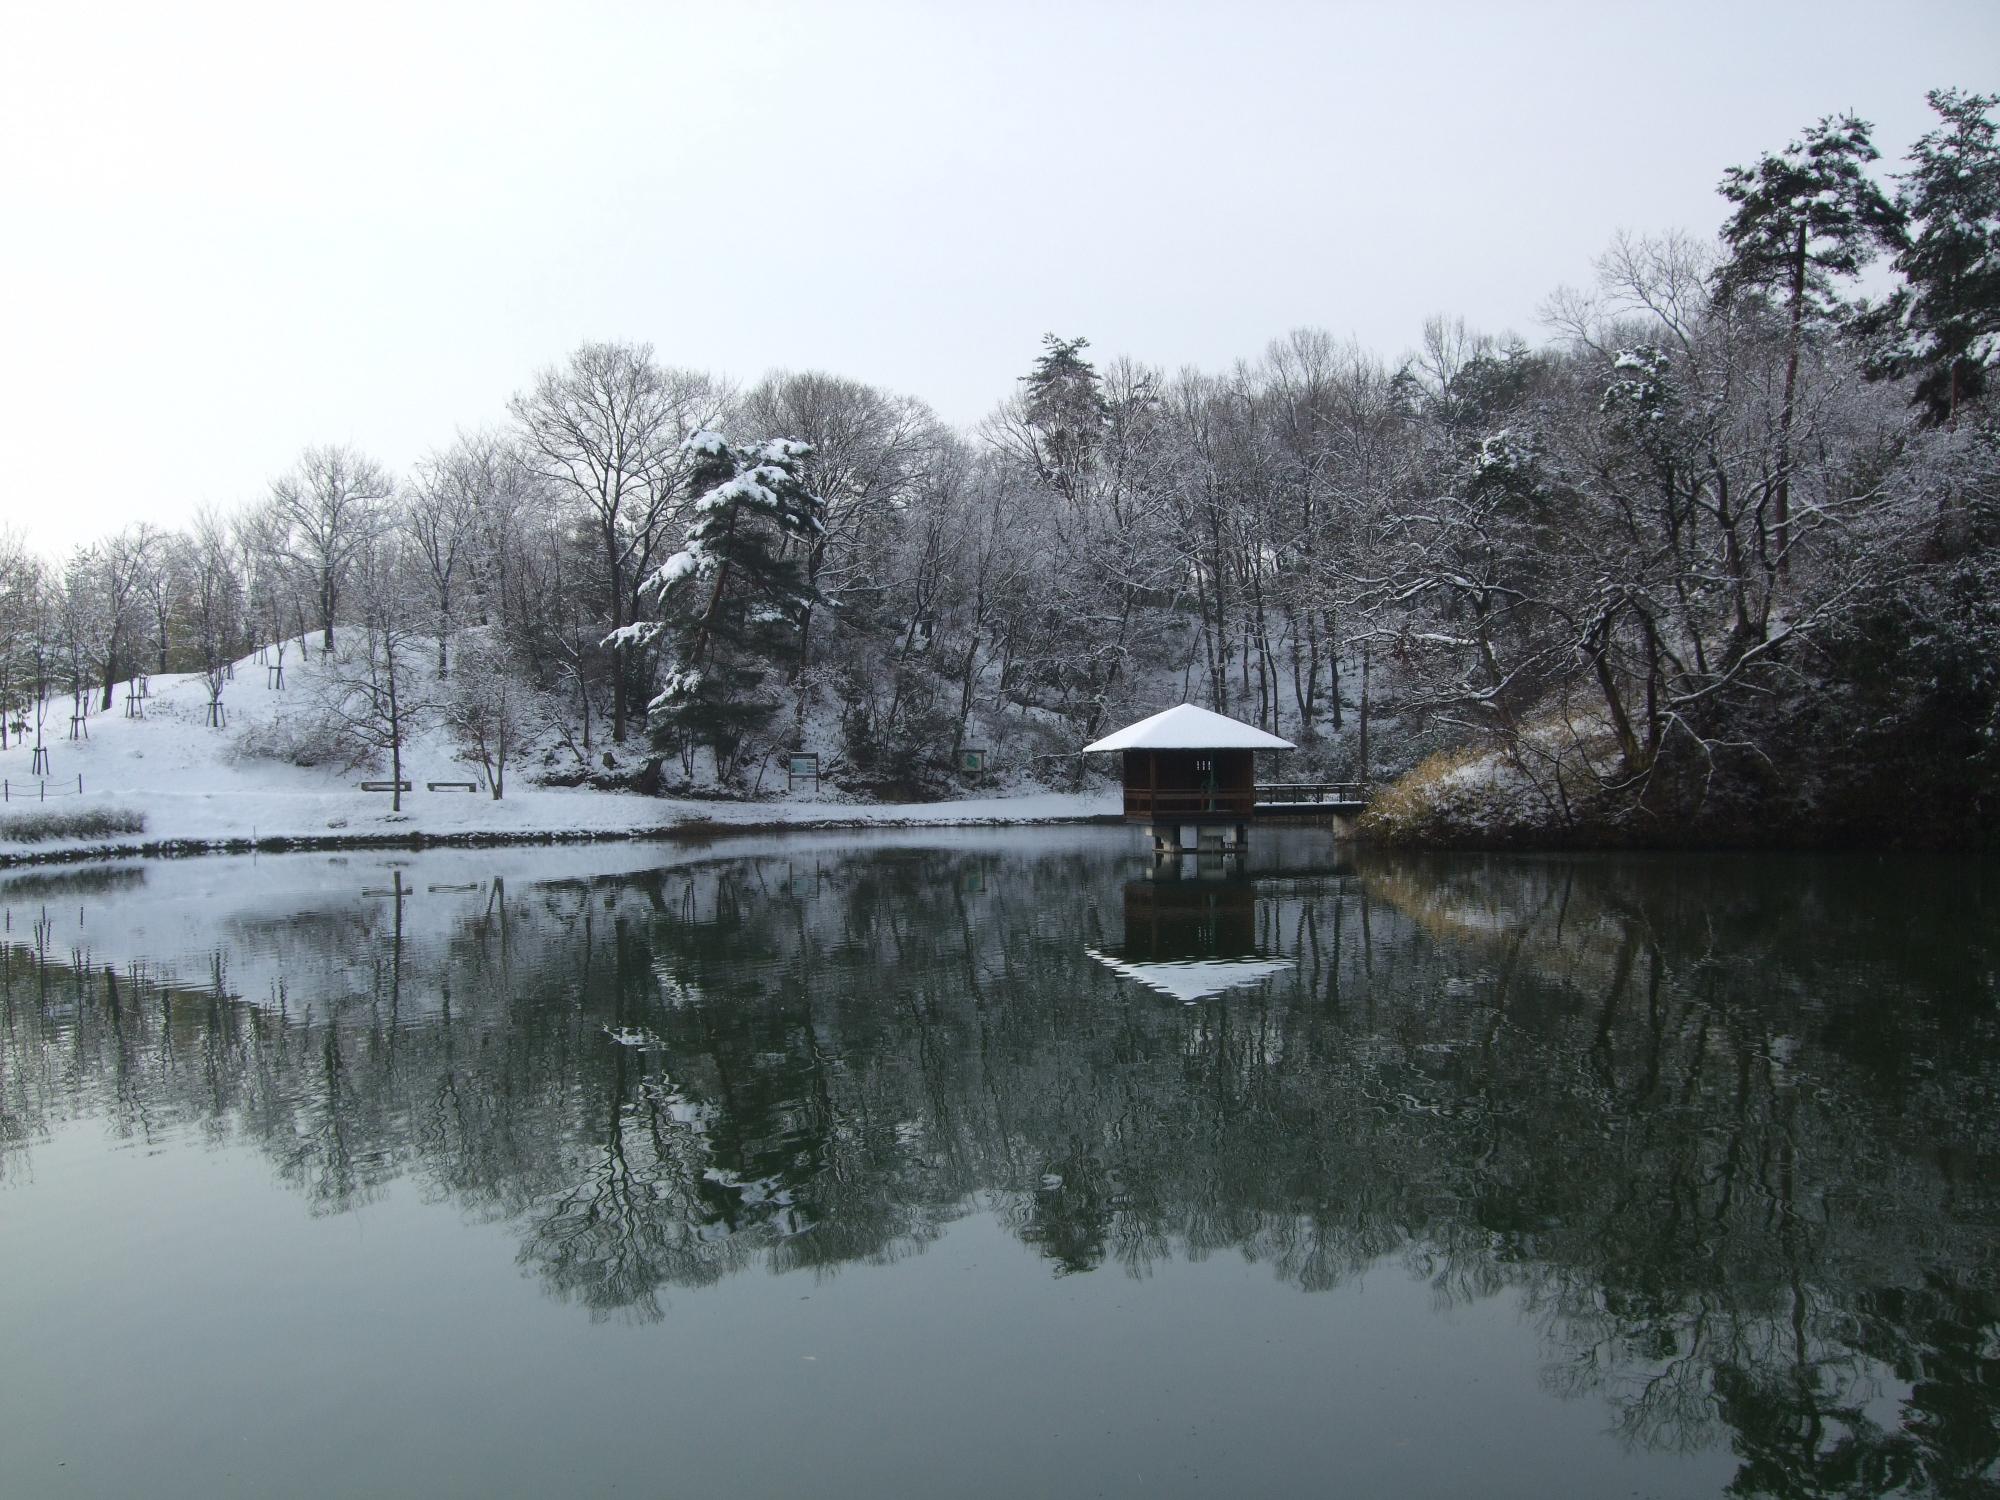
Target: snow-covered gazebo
[[1190, 775]]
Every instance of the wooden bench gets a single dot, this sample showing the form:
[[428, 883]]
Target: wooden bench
[[385, 786], [452, 786]]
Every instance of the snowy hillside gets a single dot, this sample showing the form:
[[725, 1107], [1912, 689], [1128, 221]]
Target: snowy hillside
[[198, 786]]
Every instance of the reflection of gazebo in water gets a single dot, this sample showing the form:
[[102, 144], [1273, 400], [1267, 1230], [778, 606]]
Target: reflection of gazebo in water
[[1191, 939], [1190, 776], [1172, 920]]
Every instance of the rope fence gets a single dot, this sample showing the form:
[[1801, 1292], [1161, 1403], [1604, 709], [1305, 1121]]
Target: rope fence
[[39, 790]]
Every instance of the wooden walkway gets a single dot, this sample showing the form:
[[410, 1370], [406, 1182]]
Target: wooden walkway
[[1310, 801]]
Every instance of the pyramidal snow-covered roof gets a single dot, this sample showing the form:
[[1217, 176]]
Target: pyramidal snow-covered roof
[[1189, 728]]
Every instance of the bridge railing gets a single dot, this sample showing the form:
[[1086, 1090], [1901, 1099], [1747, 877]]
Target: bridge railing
[[1309, 793]]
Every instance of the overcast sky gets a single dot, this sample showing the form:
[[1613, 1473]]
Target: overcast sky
[[229, 232]]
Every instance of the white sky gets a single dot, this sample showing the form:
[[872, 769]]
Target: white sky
[[227, 232]]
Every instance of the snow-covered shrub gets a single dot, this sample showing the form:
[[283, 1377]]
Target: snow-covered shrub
[[304, 736], [92, 823]]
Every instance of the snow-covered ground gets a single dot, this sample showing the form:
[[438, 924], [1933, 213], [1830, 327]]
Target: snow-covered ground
[[195, 788]]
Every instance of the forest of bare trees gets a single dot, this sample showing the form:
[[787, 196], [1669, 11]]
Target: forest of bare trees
[[1719, 558]]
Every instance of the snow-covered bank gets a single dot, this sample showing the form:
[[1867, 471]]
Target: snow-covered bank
[[197, 792]]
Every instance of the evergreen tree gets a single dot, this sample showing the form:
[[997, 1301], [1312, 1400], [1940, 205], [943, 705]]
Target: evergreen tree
[[1803, 217], [1066, 412], [1943, 323], [733, 598]]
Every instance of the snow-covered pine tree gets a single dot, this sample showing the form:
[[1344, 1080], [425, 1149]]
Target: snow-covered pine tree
[[1943, 324], [1804, 216], [733, 597], [1066, 412]]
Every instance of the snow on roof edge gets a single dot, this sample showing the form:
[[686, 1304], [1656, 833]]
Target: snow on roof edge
[[1186, 727]]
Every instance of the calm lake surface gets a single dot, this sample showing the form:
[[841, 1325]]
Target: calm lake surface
[[999, 1164]]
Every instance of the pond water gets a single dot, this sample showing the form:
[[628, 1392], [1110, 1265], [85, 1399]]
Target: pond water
[[1000, 1164]]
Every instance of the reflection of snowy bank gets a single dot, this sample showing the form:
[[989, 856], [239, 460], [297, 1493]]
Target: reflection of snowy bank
[[351, 927], [1196, 979]]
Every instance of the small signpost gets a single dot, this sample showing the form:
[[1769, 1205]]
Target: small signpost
[[972, 762], [801, 765]]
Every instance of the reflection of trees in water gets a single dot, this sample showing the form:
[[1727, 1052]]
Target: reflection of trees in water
[[1726, 1128]]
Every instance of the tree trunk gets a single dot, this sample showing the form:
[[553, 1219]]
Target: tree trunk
[[815, 561], [619, 708], [395, 740], [1781, 519], [444, 632], [965, 681], [1333, 672], [1362, 754], [1597, 648]]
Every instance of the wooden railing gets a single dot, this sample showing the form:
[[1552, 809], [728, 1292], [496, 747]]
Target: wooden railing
[[1242, 802], [1150, 802]]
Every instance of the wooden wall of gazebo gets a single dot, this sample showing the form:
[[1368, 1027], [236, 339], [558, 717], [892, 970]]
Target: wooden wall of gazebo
[[1190, 786]]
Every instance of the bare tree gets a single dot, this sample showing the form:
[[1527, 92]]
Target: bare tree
[[373, 691], [40, 600], [487, 708], [965, 570], [449, 499], [87, 630], [868, 447], [117, 573], [161, 585], [215, 600], [606, 429], [326, 513], [270, 581]]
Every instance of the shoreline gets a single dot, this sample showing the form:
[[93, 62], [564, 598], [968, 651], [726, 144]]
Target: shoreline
[[710, 830], [686, 830]]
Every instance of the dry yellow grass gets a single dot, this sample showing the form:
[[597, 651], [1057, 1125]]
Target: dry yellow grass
[[1414, 801]]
